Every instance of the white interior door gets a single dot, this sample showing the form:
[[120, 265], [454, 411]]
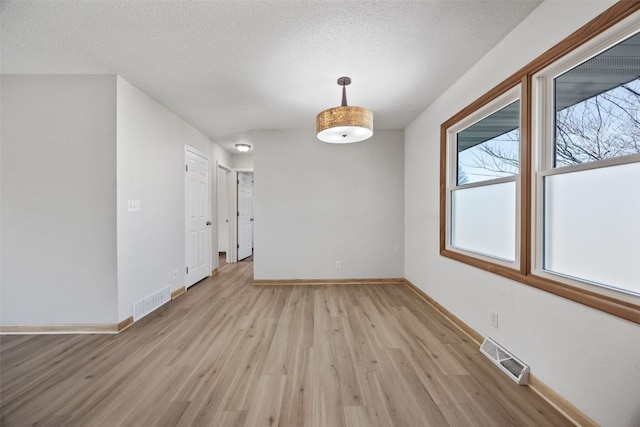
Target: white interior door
[[197, 217], [245, 215]]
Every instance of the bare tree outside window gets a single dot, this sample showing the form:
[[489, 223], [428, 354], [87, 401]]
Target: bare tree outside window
[[602, 127], [490, 147], [495, 158]]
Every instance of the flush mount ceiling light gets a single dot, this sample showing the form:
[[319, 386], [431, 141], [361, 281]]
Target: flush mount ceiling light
[[243, 148], [344, 124]]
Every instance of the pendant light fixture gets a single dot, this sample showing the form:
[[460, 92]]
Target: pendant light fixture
[[344, 124]]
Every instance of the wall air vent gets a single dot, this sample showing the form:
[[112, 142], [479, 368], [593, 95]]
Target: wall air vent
[[150, 303], [507, 362]]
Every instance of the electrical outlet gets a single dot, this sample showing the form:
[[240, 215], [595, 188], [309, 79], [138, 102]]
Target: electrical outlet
[[175, 275], [338, 265], [494, 319]]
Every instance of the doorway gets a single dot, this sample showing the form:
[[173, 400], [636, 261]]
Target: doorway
[[224, 254], [245, 215]]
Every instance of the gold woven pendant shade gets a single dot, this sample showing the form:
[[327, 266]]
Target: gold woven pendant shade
[[344, 124]]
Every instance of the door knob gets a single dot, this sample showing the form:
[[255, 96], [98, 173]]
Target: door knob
[[208, 222]]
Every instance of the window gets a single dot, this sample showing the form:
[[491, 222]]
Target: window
[[482, 188], [539, 177], [588, 207], [597, 107], [591, 226], [490, 148]]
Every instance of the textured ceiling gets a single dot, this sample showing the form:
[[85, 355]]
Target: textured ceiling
[[228, 67]]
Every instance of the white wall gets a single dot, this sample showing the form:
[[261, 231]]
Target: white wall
[[242, 161], [318, 203], [589, 357], [151, 243], [58, 200]]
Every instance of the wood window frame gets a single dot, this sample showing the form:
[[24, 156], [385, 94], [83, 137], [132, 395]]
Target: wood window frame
[[624, 306], [489, 106]]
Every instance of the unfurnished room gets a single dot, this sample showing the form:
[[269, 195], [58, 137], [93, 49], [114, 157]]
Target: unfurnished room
[[320, 213]]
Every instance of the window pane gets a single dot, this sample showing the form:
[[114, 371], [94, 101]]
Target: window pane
[[592, 226], [483, 220], [598, 107], [490, 148]]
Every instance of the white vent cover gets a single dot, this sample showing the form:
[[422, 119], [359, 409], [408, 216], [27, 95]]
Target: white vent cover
[[151, 302], [507, 362]]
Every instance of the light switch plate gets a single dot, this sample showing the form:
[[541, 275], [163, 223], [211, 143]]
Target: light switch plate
[[133, 206]]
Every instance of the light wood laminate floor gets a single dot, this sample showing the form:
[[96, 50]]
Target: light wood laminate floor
[[229, 354]]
